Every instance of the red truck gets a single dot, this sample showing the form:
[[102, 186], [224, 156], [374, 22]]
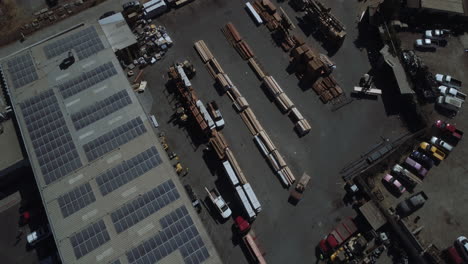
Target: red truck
[[449, 128], [342, 232]]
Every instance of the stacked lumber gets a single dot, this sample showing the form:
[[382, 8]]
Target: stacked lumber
[[213, 67], [327, 23], [268, 12], [257, 67], [282, 100], [327, 89], [301, 125], [219, 144], [205, 53], [230, 157], [244, 50], [233, 36], [261, 137]]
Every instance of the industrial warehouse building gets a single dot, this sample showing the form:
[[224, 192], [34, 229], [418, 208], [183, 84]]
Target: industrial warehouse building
[[109, 190]]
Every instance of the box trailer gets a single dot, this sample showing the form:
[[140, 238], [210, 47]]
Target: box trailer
[[252, 197], [231, 173], [245, 203]]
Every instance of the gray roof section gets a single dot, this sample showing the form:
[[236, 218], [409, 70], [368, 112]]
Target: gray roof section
[[451, 6], [117, 32], [110, 193]]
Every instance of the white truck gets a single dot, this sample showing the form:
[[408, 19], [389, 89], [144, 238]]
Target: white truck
[[449, 103], [444, 90], [448, 81], [215, 113], [425, 45], [219, 202]]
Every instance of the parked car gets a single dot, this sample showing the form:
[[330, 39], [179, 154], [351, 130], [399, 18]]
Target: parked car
[[449, 103], [425, 45], [453, 256], [448, 81], [394, 183], [415, 166], [462, 245], [450, 128], [434, 151], [436, 33], [423, 159], [444, 90], [193, 198], [410, 205], [38, 235], [130, 4], [408, 179], [444, 145]]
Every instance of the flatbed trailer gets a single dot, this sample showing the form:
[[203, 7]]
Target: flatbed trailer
[[328, 24]]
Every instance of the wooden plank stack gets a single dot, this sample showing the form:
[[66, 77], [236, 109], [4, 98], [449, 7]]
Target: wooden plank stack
[[270, 151], [233, 36], [257, 67], [327, 89], [282, 100], [219, 144], [205, 53], [302, 126], [235, 166], [268, 12]]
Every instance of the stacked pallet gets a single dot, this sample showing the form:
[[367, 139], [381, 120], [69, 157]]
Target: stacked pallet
[[268, 148], [282, 100], [302, 126], [327, 89], [268, 12]]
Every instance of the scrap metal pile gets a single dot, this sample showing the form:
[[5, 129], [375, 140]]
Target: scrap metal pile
[[261, 137], [153, 41]]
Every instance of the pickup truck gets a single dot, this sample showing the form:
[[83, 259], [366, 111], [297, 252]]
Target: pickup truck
[[444, 90], [444, 146], [213, 109], [411, 204], [448, 80], [405, 177], [38, 235], [219, 203], [449, 103], [425, 45], [449, 128], [436, 33], [434, 151], [338, 236]]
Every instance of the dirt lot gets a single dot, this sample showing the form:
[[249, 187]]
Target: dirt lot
[[444, 216]]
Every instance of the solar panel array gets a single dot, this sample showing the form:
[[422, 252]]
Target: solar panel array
[[87, 79], [76, 199], [128, 170], [85, 42], [143, 206], [100, 109], [22, 70], [51, 139], [89, 238], [179, 232], [114, 139]]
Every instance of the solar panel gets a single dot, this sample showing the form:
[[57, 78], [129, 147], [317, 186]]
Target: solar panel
[[128, 170], [179, 233], [56, 153], [87, 79], [90, 238], [76, 199], [85, 42], [22, 70], [114, 139], [100, 109], [143, 206]]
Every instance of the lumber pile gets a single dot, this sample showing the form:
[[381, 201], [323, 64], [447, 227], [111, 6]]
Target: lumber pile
[[233, 36], [205, 53], [268, 12], [219, 144], [301, 125], [327, 23], [282, 100], [257, 67], [266, 145], [327, 89]]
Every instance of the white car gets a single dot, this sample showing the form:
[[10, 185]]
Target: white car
[[425, 45], [462, 245], [444, 145], [435, 33]]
